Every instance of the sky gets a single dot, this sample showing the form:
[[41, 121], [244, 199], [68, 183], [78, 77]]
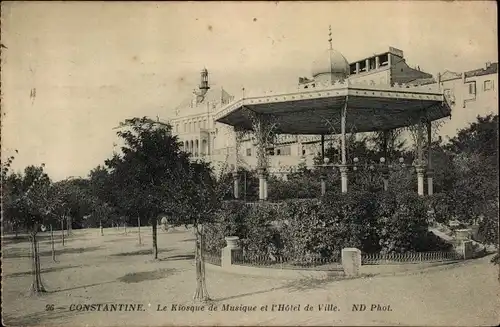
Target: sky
[[94, 64]]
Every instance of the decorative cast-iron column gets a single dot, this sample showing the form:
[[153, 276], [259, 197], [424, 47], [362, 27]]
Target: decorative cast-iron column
[[263, 127], [236, 185], [238, 137], [430, 186], [420, 168], [383, 160], [323, 184], [343, 167]]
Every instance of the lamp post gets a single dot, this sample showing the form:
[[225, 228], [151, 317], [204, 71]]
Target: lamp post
[[385, 173], [383, 167]]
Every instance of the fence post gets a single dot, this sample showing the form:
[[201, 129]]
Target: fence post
[[230, 251], [468, 250], [351, 261]]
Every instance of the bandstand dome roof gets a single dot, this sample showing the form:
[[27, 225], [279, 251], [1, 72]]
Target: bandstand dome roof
[[330, 62]]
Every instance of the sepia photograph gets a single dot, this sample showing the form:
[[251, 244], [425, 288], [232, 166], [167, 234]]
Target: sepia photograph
[[322, 163]]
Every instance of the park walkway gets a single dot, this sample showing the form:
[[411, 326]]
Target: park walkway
[[113, 269]]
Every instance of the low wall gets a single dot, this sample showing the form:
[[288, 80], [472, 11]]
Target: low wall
[[277, 273], [353, 263], [394, 269]]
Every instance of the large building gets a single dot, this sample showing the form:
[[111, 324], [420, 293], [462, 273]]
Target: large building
[[473, 92]]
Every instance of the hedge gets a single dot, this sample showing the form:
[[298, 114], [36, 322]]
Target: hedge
[[385, 222]]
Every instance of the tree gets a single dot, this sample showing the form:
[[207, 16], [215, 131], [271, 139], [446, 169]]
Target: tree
[[147, 176], [70, 203], [32, 201], [10, 184], [103, 204], [199, 204], [480, 137], [11, 187], [474, 193]]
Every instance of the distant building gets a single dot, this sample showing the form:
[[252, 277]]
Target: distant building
[[474, 93]]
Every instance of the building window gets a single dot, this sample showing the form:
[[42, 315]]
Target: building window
[[185, 127], [362, 66], [249, 152], [384, 60], [177, 128], [284, 150], [488, 85], [472, 88]]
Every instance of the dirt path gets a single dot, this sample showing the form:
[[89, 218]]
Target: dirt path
[[114, 269]]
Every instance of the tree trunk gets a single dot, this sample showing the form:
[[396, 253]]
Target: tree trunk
[[62, 230], [139, 225], [201, 293], [125, 226], [68, 229], [155, 244], [37, 285], [52, 244]]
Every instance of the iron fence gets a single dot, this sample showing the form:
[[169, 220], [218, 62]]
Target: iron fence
[[409, 257], [285, 262], [212, 258]]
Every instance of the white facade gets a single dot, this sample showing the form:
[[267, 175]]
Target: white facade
[[475, 93]]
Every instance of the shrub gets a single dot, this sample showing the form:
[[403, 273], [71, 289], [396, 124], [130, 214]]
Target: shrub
[[259, 235], [229, 222], [488, 225], [441, 205], [431, 242], [372, 222], [304, 229], [323, 228], [253, 224], [299, 187], [496, 259], [402, 220]]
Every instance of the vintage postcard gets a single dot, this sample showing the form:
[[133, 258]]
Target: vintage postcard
[[249, 163]]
